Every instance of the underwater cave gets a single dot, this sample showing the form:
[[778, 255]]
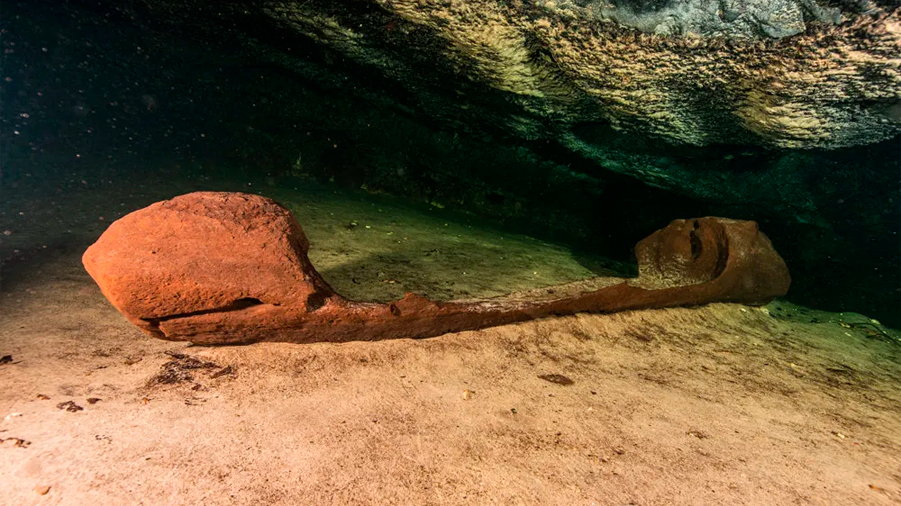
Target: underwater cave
[[435, 153]]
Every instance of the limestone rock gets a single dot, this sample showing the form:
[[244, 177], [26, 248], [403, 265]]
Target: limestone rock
[[785, 73]]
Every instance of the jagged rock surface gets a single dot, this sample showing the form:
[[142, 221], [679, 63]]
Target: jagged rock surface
[[787, 74], [561, 66]]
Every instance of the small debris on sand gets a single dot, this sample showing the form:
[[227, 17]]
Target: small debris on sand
[[559, 379], [70, 406], [17, 442], [225, 371], [179, 369]]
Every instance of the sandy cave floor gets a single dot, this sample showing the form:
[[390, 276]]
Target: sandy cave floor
[[723, 404]]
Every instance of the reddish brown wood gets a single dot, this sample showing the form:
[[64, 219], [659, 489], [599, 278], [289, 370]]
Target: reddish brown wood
[[221, 268]]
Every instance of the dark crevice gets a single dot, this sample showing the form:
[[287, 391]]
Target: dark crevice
[[723, 257], [315, 301], [237, 305], [695, 244]]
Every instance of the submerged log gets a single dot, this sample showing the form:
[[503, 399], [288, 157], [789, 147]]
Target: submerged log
[[227, 268]]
